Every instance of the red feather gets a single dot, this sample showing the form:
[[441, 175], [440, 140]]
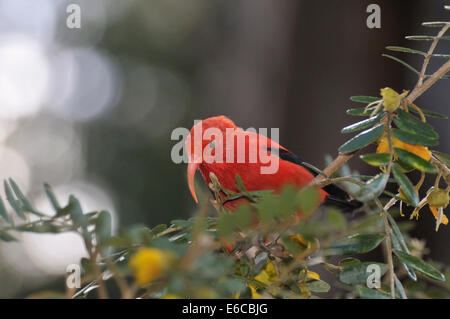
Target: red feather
[[250, 172]]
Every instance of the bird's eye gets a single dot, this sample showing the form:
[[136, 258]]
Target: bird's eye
[[212, 144]]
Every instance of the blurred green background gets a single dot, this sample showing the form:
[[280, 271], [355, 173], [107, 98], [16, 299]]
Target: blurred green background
[[91, 110]]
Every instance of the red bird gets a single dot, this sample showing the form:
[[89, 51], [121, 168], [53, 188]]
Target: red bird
[[211, 142]]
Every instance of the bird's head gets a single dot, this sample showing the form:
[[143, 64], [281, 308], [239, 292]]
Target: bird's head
[[203, 135]]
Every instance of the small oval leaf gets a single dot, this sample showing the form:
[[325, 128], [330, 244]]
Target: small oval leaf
[[398, 241], [420, 265], [355, 244], [435, 24], [370, 293], [406, 185], [373, 188], [362, 139], [363, 124], [359, 111], [3, 211], [412, 138], [429, 113], [364, 99], [4, 236], [415, 161], [407, 50], [376, 159], [412, 124], [357, 273]]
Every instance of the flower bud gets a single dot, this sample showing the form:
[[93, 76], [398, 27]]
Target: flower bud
[[391, 99], [438, 198]]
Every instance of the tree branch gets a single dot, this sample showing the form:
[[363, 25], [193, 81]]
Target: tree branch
[[430, 53], [333, 167], [419, 90]]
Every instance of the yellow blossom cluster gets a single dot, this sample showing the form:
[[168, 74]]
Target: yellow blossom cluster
[[149, 264]]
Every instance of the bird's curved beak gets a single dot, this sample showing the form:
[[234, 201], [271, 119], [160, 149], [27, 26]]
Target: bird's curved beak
[[191, 169]]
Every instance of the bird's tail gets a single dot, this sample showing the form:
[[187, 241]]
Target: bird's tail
[[340, 199]]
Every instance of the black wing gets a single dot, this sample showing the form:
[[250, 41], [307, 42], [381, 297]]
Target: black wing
[[338, 197]]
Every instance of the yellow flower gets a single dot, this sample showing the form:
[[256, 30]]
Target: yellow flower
[[300, 241], [267, 276], [312, 275], [148, 264], [438, 211], [391, 99], [419, 150]]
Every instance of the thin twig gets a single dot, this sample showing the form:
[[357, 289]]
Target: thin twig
[[93, 253], [333, 167], [390, 260], [430, 53], [442, 168], [348, 179], [418, 91]]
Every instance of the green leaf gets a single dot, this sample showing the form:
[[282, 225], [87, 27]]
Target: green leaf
[[291, 245], [75, 211], [4, 236], [373, 188], [444, 158], [51, 197], [357, 273], [181, 223], [240, 184], [415, 161], [212, 266], [158, 229], [429, 113], [368, 293], [226, 225], [268, 208], [412, 138], [399, 243], [376, 159], [399, 287], [360, 111], [355, 244], [401, 62], [363, 124], [336, 219], [425, 38], [420, 37], [410, 123], [3, 211], [407, 50], [349, 261], [232, 286], [362, 139], [443, 56], [39, 227], [26, 205], [243, 217], [318, 286], [15, 204], [307, 199], [435, 24], [364, 99], [405, 184], [103, 226], [420, 265]]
